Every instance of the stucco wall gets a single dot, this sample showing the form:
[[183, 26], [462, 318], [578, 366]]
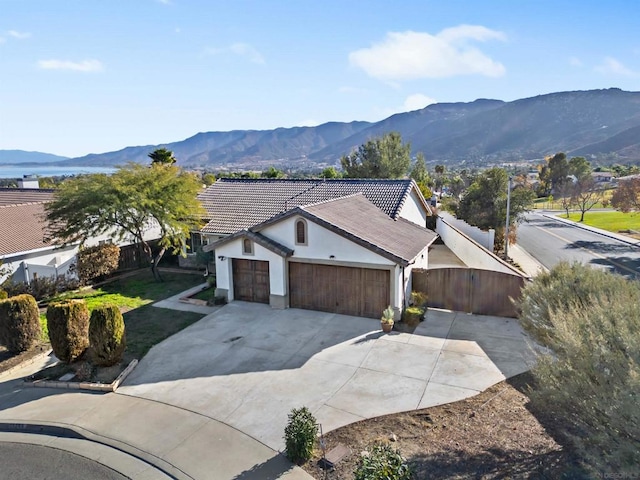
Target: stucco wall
[[322, 244], [486, 239], [413, 210], [224, 268], [42, 262], [469, 251]]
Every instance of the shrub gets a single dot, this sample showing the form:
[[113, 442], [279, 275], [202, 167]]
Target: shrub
[[300, 435], [418, 299], [590, 321], [19, 323], [3, 294], [42, 288], [68, 327], [106, 335], [382, 463], [97, 261]]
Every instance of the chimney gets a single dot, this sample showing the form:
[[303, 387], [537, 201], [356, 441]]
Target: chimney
[[28, 181]]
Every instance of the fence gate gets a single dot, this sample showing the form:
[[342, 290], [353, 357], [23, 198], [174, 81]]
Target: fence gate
[[471, 290]]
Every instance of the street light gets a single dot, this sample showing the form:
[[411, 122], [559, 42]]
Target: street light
[[506, 228]]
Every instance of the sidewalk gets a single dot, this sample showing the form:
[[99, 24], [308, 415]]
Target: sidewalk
[[529, 265], [606, 233], [137, 437]]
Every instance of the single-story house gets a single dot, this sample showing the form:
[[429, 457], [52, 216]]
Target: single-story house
[[26, 249], [344, 246]]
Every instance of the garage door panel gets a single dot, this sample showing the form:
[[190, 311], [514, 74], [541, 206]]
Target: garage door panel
[[251, 280], [344, 290]]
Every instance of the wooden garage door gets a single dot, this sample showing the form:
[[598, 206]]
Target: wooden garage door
[[251, 280], [361, 292]]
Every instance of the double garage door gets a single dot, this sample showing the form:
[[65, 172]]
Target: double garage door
[[361, 292]]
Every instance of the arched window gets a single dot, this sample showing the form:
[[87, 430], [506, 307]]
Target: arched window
[[301, 232], [247, 247]]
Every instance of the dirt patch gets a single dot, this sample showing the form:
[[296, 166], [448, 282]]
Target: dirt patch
[[492, 435], [9, 360]]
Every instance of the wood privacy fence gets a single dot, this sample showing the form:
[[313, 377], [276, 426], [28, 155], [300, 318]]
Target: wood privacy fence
[[471, 290]]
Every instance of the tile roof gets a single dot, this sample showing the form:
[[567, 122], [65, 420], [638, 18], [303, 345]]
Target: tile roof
[[22, 228], [237, 204], [357, 219], [257, 237], [16, 196]]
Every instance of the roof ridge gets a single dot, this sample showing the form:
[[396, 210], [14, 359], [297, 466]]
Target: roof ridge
[[329, 200]]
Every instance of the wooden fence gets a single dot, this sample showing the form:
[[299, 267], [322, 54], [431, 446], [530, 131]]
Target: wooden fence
[[471, 290]]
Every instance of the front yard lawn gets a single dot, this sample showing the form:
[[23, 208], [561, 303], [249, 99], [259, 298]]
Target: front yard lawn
[[612, 221], [145, 324]]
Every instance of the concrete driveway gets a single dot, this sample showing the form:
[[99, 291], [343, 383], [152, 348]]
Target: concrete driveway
[[248, 365]]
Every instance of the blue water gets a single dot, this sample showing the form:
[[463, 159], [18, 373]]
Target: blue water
[[44, 171]]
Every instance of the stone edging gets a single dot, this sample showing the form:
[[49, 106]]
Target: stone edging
[[95, 387], [26, 363]]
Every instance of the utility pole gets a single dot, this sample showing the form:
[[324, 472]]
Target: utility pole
[[506, 228]]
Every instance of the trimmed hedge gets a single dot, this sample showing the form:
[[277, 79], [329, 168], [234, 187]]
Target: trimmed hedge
[[19, 323], [68, 325], [97, 261], [107, 335]]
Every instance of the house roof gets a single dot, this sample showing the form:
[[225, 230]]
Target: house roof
[[16, 196], [357, 219], [237, 204], [257, 237], [23, 228]]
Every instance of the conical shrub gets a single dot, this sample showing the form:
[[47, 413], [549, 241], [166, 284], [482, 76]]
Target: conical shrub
[[19, 323], [106, 335], [68, 324]]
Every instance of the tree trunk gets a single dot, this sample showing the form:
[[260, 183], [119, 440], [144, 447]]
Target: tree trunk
[[582, 215], [154, 265]]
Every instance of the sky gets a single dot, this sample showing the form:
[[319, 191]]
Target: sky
[[91, 76]]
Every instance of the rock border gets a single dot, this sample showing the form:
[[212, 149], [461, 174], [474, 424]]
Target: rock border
[[95, 387]]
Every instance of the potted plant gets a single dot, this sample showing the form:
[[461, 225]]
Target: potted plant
[[387, 319]]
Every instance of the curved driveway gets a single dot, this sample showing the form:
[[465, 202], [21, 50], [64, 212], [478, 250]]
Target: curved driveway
[[248, 365]]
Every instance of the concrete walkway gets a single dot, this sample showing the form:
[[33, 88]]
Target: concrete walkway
[[248, 365]]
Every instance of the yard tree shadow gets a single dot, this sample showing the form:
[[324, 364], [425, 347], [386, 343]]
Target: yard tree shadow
[[271, 469]]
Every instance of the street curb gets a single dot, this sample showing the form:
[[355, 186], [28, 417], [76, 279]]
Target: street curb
[[94, 387], [604, 233], [65, 431], [26, 363]]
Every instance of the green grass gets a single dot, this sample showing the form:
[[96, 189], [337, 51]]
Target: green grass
[[145, 325], [611, 221], [206, 294]]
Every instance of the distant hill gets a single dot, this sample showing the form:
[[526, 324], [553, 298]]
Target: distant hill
[[12, 157], [599, 124]]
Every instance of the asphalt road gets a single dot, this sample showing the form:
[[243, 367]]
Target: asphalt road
[[550, 241], [21, 461]]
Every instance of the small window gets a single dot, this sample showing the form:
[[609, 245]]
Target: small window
[[301, 232], [247, 247]]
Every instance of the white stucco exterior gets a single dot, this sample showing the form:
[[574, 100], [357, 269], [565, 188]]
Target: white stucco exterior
[[413, 210]]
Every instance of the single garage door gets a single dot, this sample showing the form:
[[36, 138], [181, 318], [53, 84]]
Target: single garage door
[[251, 280], [362, 292]]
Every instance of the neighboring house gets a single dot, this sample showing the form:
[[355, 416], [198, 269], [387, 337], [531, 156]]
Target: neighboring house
[[25, 244], [344, 246], [602, 177]]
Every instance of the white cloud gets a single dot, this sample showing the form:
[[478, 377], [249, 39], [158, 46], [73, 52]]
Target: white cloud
[[240, 49], [18, 35], [417, 101], [83, 66], [611, 66], [412, 55], [575, 62]]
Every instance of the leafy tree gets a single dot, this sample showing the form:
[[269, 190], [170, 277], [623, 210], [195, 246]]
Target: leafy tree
[[626, 198], [559, 169], [383, 157], [456, 186], [162, 156], [579, 167], [485, 202], [440, 180], [330, 172], [589, 320], [419, 171], [208, 178], [273, 172], [126, 204]]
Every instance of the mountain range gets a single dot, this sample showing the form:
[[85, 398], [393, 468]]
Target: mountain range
[[598, 124]]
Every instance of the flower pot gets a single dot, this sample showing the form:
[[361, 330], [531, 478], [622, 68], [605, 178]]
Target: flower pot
[[386, 327]]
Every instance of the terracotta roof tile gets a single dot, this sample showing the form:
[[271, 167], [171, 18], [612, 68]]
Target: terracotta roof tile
[[22, 228], [16, 196]]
